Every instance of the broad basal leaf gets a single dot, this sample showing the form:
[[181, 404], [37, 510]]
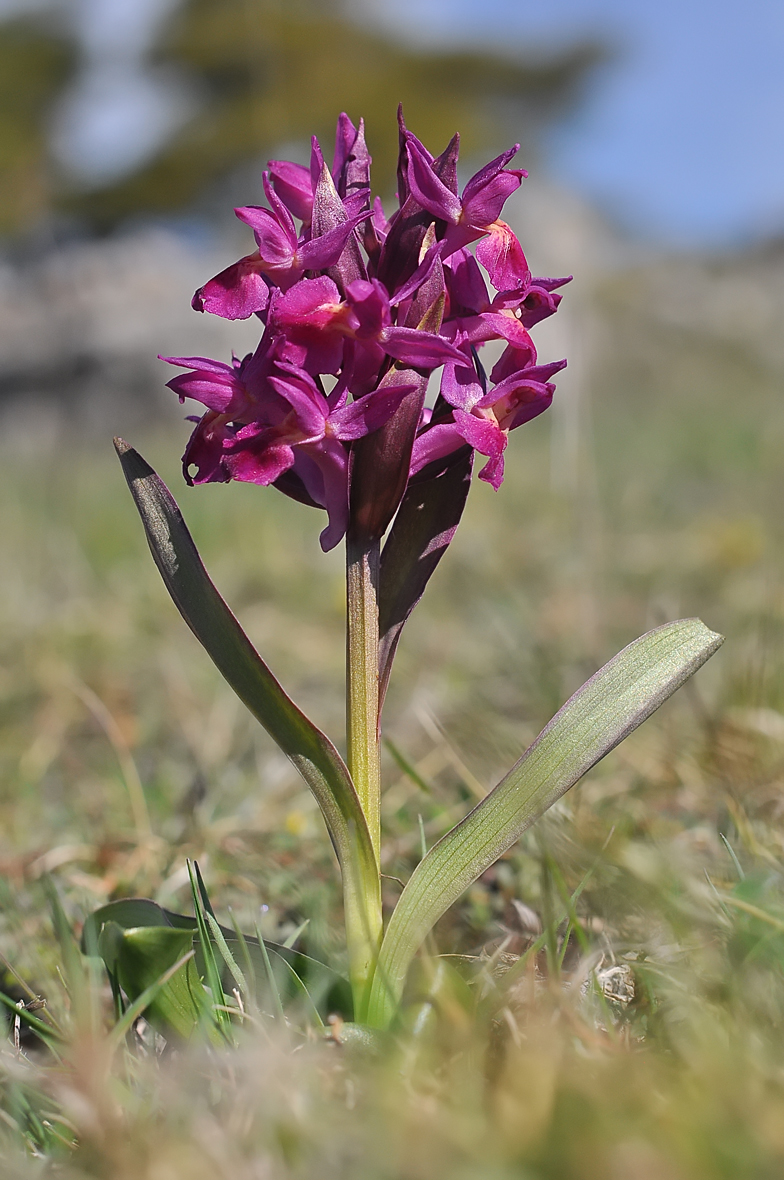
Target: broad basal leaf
[[599, 716], [329, 991], [138, 957]]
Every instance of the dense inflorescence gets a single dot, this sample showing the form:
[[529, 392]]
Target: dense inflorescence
[[358, 312]]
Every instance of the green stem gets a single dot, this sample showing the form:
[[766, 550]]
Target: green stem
[[362, 722], [364, 921]]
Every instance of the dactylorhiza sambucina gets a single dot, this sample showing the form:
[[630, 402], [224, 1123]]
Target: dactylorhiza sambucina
[[358, 312]]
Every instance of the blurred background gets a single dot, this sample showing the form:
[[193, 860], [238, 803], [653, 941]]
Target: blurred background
[[130, 128], [651, 490]]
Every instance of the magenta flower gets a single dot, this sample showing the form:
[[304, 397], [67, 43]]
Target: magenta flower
[[483, 419], [281, 259], [293, 185], [265, 417], [358, 311], [474, 214], [317, 324]]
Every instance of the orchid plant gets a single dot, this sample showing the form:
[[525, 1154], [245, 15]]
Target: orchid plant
[[361, 316]]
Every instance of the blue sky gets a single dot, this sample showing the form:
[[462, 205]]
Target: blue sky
[[683, 134], [682, 137]]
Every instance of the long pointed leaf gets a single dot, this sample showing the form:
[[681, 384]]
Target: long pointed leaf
[[599, 716], [239, 663], [424, 526]]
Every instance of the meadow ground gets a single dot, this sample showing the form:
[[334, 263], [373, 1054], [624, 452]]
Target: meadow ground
[[649, 1042]]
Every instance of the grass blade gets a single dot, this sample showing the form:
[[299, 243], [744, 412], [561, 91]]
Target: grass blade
[[294, 937], [212, 974], [272, 981], [226, 955]]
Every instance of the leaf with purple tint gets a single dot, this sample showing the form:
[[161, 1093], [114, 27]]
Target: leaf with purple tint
[[381, 460], [216, 628], [424, 527]]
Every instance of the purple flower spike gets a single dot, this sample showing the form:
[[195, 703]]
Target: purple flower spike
[[358, 310]]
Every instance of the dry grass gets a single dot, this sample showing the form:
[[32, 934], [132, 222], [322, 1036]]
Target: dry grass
[[123, 753]]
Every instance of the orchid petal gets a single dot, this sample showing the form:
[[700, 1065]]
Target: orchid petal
[[279, 209], [370, 303], [260, 465], [200, 362], [323, 469], [513, 360], [551, 284], [420, 275], [367, 413], [312, 301], [423, 350], [308, 403], [276, 243], [213, 390], [467, 287], [484, 206], [435, 443], [502, 257], [485, 436], [431, 193], [325, 251], [205, 451], [237, 292], [292, 184], [488, 189], [460, 386], [345, 138], [538, 305]]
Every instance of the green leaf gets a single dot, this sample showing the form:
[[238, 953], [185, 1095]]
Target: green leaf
[[140, 957], [599, 716], [329, 990], [144, 1001], [239, 663]]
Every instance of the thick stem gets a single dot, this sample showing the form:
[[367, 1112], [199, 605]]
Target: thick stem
[[364, 927], [362, 727]]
